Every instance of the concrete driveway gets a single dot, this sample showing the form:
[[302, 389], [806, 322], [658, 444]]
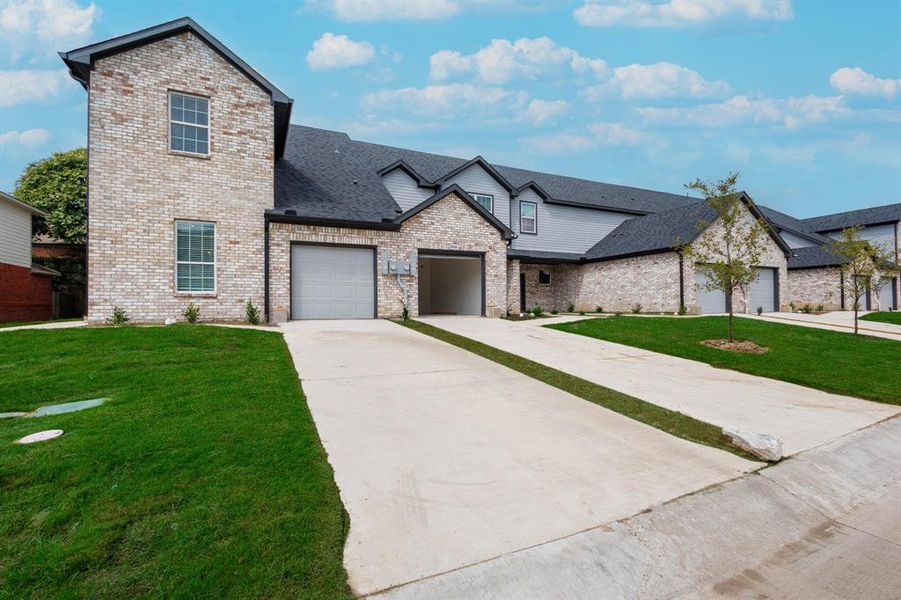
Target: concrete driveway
[[445, 459], [840, 320], [802, 417]]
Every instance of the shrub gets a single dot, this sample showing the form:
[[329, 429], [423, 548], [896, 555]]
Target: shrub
[[570, 307], [555, 311], [251, 313], [598, 309], [191, 313], [682, 310], [791, 305], [581, 313], [806, 309], [636, 309], [405, 314], [537, 311], [820, 308], [759, 310], [119, 316]]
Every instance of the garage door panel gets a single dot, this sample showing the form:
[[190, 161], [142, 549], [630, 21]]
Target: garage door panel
[[762, 292], [709, 301], [332, 282]]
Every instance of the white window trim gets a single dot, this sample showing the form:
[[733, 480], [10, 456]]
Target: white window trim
[[534, 218], [215, 262], [491, 196], [170, 121]]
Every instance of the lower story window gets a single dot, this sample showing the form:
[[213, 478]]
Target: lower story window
[[544, 278], [195, 256]]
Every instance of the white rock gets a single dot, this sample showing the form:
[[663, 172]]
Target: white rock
[[762, 445], [170, 321]]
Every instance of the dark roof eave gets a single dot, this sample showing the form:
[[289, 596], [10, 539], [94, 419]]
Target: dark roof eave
[[631, 255], [278, 217]]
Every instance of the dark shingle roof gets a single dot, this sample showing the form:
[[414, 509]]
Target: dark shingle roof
[[539, 256], [813, 257], [786, 222], [316, 177], [653, 233], [851, 218]]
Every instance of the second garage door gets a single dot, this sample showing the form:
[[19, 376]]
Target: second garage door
[[709, 301], [763, 291], [332, 282]]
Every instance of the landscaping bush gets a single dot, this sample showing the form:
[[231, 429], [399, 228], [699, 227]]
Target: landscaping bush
[[636, 309], [570, 307], [251, 313], [191, 313], [759, 310], [119, 317], [820, 308], [555, 311], [537, 311], [807, 309], [405, 314], [598, 309], [682, 310]]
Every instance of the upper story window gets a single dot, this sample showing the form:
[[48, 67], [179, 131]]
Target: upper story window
[[189, 123], [195, 256], [528, 217], [486, 200]]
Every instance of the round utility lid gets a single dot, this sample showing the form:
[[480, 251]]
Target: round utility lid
[[41, 436]]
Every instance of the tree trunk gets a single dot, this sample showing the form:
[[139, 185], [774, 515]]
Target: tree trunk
[[856, 309], [729, 306]]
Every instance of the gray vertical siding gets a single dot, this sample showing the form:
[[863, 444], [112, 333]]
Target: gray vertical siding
[[404, 189], [15, 235], [796, 241], [563, 228], [883, 235], [476, 180]]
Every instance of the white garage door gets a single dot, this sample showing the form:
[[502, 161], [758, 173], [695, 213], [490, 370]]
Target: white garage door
[[332, 282], [887, 296], [709, 301], [763, 291]]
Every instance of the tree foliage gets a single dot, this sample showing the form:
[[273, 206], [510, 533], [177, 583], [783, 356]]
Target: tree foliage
[[58, 186], [865, 267], [729, 246]]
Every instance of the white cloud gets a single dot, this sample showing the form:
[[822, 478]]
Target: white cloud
[[382, 10], [29, 138], [660, 80], [447, 101], [540, 112], [738, 151], [615, 134], [855, 80], [680, 13], [339, 52], [503, 61], [45, 26], [25, 85], [739, 110]]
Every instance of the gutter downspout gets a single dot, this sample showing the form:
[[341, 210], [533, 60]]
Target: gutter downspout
[[681, 281], [266, 267], [841, 283]]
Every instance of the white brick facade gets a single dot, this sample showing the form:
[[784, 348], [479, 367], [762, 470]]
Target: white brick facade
[[449, 224], [815, 287], [137, 188]]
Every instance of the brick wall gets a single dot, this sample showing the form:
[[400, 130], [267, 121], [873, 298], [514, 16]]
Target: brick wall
[[513, 270], [815, 287], [138, 188], [24, 296], [450, 224]]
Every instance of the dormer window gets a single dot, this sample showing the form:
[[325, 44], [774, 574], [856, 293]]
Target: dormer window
[[486, 200], [528, 217], [189, 124]]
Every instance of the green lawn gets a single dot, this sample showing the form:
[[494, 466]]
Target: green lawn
[[893, 317], [672, 422], [842, 363], [203, 476]]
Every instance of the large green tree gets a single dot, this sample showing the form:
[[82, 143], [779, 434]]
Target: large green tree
[[58, 186]]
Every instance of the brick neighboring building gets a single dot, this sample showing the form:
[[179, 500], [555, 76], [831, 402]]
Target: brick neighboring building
[[200, 190], [25, 287]]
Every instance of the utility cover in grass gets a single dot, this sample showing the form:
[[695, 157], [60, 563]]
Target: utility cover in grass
[[41, 436], [58, 409]]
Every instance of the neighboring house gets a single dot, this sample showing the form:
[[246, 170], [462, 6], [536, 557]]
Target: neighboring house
[[69, 289], [201, 191], [25, 293], [814, 274]]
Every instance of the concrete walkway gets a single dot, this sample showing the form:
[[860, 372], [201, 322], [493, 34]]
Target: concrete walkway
[[445, 459], [51, 325], [802, 417], [834, 321], [825, 525]]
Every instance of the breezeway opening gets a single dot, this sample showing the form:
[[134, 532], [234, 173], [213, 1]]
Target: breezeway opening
[[451, 284]]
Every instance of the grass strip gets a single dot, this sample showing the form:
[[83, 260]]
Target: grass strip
[[672, 422], [893, 317]]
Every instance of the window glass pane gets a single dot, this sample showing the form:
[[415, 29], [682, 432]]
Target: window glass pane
[[202, 148], [190, 133], [189, 102], [177, 101], [178, 114], [195, 255]]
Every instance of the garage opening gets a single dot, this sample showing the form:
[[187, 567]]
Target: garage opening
[[451, 284], [332, 282], [763, 291]]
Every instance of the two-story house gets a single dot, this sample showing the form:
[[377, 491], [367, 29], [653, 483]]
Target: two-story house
[[200, 190]]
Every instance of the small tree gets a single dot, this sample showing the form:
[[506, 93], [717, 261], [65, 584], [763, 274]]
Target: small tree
[[865, 266], [58, 186], [729, 252]]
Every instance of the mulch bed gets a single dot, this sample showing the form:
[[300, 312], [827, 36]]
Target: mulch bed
[[737, 346]]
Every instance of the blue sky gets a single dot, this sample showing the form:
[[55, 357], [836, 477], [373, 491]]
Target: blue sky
[[801, 97]]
